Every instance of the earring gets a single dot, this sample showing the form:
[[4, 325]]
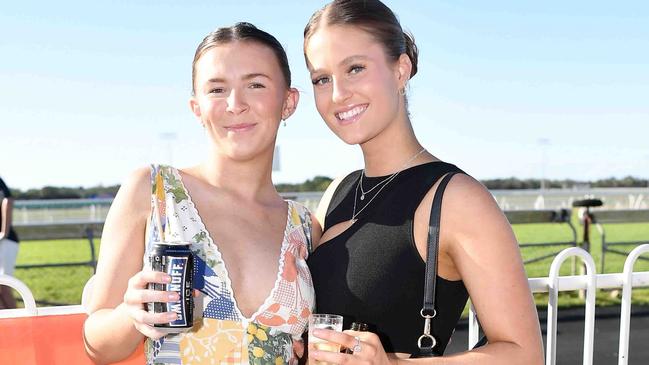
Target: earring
[[284, 120], [402, 91]]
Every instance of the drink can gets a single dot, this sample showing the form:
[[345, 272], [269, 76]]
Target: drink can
[[177, 260]]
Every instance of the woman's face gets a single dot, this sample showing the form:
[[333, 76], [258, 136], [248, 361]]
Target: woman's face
[[241, 96], [355, 85]]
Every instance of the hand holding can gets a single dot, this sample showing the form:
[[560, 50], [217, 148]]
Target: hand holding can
[[177, 261]]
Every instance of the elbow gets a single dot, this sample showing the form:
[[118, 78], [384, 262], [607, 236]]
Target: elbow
[[533, 353], [93, 351], [102, 346]]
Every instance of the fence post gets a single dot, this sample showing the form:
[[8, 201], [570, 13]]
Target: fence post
[[589, 325], [625, 315], [25, 293]]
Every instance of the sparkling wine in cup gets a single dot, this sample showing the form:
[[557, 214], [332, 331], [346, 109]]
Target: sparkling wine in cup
[[324, 321]]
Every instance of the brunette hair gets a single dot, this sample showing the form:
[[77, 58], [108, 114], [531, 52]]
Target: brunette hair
[[242, 31], [372, 16]]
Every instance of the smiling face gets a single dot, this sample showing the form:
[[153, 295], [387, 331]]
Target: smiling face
[[239, 99], [355, 85]]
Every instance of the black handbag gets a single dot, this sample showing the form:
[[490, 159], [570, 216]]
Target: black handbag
[[427, 342]]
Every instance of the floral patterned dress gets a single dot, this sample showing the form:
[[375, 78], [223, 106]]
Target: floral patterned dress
[[221, 333]]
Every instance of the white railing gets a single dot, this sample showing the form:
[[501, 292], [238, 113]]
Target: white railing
[[627, 280], [30, 308], [60, 210]]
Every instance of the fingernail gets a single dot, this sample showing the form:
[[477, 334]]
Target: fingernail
[[166, 279], [316, 332], [172, 316], [173, 296]]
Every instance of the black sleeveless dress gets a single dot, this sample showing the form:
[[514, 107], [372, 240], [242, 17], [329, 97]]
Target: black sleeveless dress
[[372, 272]]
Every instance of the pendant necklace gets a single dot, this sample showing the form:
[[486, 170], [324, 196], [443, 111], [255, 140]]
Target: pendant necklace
[[382, 184]]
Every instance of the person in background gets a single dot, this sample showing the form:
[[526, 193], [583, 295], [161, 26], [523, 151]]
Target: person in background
[[8, 245], [250, 245], [370, 263]]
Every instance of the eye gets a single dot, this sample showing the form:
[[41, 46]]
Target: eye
[[216, 90], [356, 69], [320, 80], [256, 85]]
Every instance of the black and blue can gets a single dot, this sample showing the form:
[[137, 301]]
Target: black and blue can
[[177, 260]]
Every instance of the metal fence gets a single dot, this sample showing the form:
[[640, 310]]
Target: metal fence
[[54, 211], [591, 281], [552, 284]]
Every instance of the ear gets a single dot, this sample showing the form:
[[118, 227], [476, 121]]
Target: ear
[[290, 103], [195, 107], [404, 68]]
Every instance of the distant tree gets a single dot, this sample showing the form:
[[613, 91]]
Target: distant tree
[[320, 183]]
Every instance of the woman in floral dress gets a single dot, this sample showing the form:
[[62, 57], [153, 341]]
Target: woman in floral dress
[[254, 290]]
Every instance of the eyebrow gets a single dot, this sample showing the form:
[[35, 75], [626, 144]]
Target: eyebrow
[[346, 61], [245, 77]]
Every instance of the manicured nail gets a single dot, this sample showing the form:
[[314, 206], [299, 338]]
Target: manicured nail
[[166, 279]]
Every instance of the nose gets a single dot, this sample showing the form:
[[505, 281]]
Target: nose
[[236, 102], [340, 91]]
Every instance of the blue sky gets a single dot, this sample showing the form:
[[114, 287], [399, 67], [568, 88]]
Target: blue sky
[[89, 90]]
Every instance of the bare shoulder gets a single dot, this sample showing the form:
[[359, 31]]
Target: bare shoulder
[[465, 189], [323, 206], [467, 199], [471, 217], [473, 223], [136, 191]]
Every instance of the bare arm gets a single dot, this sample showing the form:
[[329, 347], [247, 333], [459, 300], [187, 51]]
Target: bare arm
[[111, 332], [484, 253], [321, 211], [316, 231], [7, 207]]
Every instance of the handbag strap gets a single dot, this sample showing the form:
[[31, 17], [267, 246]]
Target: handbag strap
[[427, 341]]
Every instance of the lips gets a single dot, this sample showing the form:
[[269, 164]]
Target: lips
[[352, 114], [240, 127]]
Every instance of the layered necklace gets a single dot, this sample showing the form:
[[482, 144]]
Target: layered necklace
[[380, 185]]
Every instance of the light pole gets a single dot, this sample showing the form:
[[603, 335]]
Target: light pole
[[543, 143]]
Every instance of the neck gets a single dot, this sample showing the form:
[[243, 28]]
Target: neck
[[247, 179], [387, 152]]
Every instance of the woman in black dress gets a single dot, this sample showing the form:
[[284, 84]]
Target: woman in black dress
[[369, 265]]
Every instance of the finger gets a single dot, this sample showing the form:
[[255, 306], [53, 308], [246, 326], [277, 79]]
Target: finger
[[144, 317], [330, 357], [365, 336], [144, 277], [137, 297], [196, 293], [369, 342], [150, 331], [334, 336]]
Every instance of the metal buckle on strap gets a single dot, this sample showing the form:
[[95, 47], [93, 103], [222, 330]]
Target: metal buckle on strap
[[427, 335]]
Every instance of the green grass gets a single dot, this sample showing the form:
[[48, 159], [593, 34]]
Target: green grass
[[614, 262], [64, 285], [60, 285]]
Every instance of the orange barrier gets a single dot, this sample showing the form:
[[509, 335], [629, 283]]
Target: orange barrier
[[49, 340]]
